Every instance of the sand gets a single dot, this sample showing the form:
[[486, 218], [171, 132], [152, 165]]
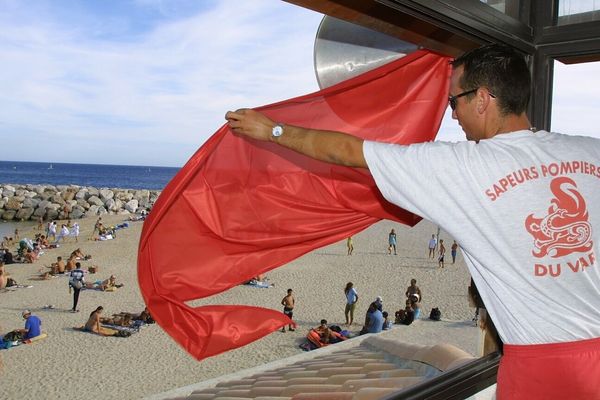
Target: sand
[[70, 364]]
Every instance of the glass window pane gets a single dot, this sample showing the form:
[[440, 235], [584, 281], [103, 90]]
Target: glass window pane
[[576, 11], [576, 108], [508, 7]]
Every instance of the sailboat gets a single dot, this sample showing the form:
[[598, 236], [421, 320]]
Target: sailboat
[[50, 167]]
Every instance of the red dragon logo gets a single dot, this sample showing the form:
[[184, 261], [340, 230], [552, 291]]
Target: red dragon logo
[[565, 229]]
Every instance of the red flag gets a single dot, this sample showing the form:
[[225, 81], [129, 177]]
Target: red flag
[[240, 207]]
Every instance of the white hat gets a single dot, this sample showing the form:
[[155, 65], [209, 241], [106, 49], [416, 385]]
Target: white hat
[[378, 298], [25, 312]]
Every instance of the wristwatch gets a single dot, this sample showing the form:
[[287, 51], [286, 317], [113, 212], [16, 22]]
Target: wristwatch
[[277, 130]]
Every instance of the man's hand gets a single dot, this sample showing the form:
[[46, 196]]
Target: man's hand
[[250, 123], [329, 146]]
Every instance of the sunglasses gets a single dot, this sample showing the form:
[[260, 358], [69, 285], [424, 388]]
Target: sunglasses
[[452, 100]]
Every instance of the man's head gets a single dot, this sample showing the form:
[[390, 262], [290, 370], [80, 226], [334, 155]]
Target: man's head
[[78, 265], [413, 282], [323, 322], [290, 291], [379, 299], [493, 75], [26, 314]]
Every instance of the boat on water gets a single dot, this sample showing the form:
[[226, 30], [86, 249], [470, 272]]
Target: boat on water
[[50, 166]]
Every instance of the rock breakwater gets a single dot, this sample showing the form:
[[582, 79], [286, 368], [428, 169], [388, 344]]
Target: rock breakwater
[[30, 202]]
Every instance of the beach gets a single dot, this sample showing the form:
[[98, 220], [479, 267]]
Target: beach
[[72, 364]]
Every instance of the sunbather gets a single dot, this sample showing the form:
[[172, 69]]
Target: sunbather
[[93, 323], [70, 264], [58, 267], [78, 254], [105, 284]]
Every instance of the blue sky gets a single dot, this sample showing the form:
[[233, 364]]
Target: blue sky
[[146, 82]]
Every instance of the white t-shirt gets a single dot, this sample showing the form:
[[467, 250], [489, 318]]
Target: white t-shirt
[[526, 210], [351, 296], [432, 243]]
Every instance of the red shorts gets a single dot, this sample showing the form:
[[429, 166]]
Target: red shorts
[[562, 371]]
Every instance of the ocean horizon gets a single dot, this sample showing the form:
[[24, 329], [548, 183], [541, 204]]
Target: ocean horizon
[[96, 175]]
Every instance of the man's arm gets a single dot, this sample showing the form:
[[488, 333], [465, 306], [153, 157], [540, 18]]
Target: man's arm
[[329, 146]]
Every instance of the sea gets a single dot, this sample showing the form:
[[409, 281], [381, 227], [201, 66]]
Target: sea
[[96, 175]]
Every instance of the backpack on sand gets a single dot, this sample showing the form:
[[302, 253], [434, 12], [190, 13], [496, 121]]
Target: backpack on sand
[[435, 314]]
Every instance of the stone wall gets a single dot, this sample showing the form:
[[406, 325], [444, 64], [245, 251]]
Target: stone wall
[[29, 202]]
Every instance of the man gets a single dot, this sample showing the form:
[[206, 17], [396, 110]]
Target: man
[[374, 320], [288, 303], [58, 267], [431, 245], [413, 292], [97, 227], [378, 303], [76, 282], [33, 325], [513, 197], [442, 254], [453, 251]]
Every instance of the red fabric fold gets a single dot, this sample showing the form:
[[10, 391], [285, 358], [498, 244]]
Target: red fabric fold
[[240, 207]]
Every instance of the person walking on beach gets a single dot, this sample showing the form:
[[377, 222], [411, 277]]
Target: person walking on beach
[[76, 282], [51, 231], [288, 303], [432, 245], [97, 227], [392, 242], [442, 253], [63, 234], [500, 227], [453, 250], [350, 245], [351, 299], [75, 232]]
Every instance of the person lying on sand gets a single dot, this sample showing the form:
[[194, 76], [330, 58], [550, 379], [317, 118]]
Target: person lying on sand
[[105, 284], [78, 255], [122, 319], [125, 318]]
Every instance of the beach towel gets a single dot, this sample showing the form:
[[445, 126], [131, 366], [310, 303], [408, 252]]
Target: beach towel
[[15, 287], [239, 207], [104, 330]]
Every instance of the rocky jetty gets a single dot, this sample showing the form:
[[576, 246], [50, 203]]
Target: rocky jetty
[[29, 202]]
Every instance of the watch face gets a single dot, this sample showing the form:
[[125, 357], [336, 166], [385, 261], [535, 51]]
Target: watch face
[[277, 130]]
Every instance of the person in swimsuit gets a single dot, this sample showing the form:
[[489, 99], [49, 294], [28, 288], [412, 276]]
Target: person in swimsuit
[[288, 303]]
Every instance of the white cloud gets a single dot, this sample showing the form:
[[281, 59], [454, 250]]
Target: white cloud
[[171, 85]]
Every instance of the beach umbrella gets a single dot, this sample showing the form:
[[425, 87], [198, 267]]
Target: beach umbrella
[[240, 207]]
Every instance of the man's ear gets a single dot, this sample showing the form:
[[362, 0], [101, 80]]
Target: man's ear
[[483, 99]]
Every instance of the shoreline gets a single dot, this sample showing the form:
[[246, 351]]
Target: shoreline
[[150, 362]]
